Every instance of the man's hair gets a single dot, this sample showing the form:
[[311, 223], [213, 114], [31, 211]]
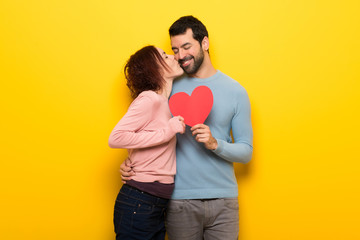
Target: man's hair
[[143, 71], [184, 23]]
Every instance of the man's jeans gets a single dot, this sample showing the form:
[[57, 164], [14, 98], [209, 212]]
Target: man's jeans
[[139, 215], [209, 219]]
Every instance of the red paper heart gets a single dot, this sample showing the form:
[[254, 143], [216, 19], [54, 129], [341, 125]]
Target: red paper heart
[[195, 108]]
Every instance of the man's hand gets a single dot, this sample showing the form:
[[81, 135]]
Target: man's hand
[[202, 134], [126, 170]]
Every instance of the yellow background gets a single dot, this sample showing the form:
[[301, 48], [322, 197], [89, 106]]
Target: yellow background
[[62, 91]]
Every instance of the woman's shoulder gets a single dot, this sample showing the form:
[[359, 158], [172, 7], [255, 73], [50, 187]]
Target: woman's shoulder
[[147, 94], [147, 98]]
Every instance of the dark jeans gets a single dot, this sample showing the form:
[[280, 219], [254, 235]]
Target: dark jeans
[[139, 215]]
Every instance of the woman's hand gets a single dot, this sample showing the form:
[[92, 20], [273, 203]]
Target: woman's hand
[[178, 124], [126, 170]]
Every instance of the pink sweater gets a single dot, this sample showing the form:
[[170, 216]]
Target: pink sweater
[[148, 132]]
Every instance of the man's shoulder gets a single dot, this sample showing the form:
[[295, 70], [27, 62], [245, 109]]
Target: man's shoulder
[[230, 83]]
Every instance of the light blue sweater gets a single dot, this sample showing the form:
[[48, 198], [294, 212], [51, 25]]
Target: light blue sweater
[[202, 173]]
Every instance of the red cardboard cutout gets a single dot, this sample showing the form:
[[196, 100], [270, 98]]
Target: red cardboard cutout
[[195, 108]]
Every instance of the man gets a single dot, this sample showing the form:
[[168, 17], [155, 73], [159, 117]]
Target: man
[[204, 204]]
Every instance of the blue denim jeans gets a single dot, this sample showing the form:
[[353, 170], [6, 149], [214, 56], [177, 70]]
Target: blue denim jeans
[[139, 215]]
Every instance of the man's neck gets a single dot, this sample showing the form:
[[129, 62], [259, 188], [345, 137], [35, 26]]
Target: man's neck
[[206, 70]]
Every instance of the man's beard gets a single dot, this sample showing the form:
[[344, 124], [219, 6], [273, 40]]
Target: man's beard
[[196, 65]]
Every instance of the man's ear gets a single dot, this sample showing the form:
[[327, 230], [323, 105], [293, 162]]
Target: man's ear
[[205, 43]]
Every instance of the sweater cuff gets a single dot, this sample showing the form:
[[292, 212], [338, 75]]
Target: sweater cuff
[[175, 125], [220, 146]]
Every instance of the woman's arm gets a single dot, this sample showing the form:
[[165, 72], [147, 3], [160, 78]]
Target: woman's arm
[[130, 133]]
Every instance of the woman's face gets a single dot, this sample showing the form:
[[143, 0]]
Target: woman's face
[[174, 67]]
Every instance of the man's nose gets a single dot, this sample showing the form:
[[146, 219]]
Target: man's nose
[[180, 55]]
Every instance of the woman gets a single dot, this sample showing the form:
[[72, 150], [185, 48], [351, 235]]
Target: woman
[[148, 131]]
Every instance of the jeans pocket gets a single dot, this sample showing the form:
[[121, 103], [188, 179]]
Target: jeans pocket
[[231, 203], [143, 208], [175, 206], [126, 200]]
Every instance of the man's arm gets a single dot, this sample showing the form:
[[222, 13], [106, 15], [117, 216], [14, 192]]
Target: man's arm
[[241, 149], [233, 152]]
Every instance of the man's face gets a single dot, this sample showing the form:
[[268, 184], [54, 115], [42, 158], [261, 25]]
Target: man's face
[[187, 51]]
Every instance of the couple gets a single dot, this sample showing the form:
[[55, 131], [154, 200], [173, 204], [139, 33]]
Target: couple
[[202, 203]]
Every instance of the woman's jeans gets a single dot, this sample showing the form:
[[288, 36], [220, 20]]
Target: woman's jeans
[[139, 215]]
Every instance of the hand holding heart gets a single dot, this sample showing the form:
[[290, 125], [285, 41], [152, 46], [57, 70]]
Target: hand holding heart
[[203, 134], [195, 109]]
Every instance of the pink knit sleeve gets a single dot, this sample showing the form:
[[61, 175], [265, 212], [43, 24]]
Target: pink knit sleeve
[[130, 133]]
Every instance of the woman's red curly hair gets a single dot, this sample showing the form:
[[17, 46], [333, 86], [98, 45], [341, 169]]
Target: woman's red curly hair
[[143, 71]]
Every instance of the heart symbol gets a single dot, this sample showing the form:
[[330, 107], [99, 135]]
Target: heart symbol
[[195, 108]]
